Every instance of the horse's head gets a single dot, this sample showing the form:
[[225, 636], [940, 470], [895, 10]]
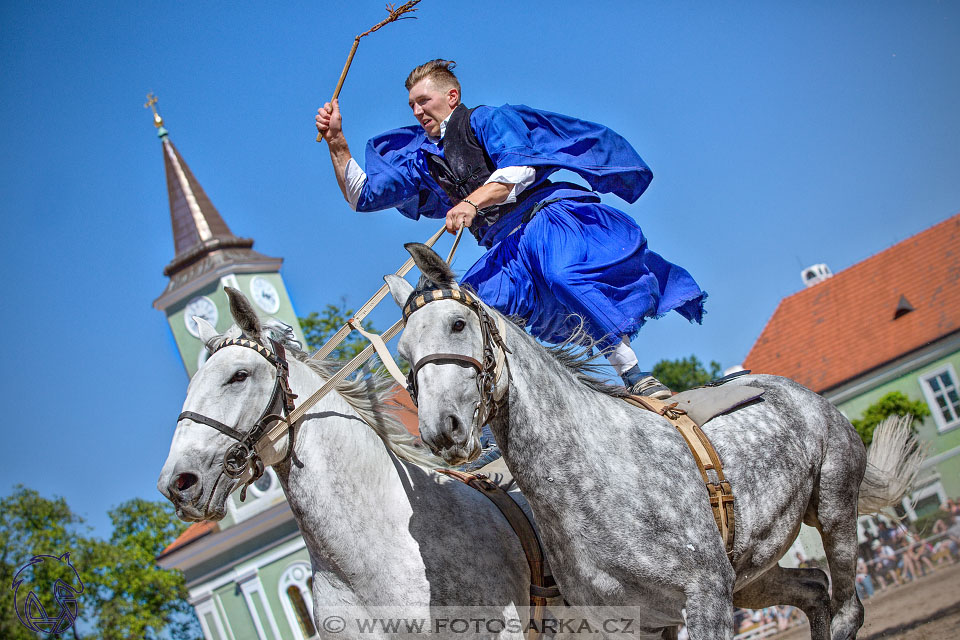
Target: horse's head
[[214, 446], [454, 359]]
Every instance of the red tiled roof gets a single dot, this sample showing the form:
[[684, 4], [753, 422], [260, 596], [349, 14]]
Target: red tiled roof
[[406, 411], [842, 327], [191, 533]]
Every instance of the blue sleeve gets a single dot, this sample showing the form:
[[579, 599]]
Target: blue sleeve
[[517, 135], [396, 179]]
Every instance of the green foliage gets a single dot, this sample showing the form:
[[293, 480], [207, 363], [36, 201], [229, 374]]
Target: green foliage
[[686, 373], [31, 525], [924, 524], [320, 327], [892, 404], [132, 596], [125, 594]]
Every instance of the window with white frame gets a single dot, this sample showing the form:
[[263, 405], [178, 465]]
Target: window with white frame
[[943, 396], [295, 588]]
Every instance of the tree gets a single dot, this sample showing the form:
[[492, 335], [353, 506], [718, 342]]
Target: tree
[[132, 596], [686, 373], [31, 525], [892, 404], [124, 594], [319, 327]]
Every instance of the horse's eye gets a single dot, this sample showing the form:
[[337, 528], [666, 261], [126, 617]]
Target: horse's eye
[[239, 376], [459, 324]]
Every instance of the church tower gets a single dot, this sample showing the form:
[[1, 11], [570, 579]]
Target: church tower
[[208, 257]]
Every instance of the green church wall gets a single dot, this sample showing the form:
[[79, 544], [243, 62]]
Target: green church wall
[[270, 575], [236, 611]]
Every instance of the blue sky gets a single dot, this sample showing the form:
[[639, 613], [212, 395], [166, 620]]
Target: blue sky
[[780, 135]]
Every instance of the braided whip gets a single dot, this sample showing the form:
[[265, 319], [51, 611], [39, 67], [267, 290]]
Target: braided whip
[[396, 13]]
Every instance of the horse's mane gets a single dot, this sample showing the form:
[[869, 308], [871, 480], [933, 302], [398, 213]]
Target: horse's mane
[[371, 396], [575, 354]]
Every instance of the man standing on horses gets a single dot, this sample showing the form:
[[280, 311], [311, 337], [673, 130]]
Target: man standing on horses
[[556, 254]]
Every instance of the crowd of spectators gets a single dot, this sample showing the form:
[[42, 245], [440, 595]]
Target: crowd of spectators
[[896, 554]]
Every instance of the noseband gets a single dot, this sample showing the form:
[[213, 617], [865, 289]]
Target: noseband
[[489, 372], [243, 455]]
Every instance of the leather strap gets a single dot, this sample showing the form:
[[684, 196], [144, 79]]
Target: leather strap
[[210, 422], [371, 304], [381, 347], [542, 587], [719, 491]]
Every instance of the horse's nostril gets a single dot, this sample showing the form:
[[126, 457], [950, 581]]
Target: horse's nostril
[[185, 481]]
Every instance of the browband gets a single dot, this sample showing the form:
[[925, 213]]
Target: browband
[[460, 295]]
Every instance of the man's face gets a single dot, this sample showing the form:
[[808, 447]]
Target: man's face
[[431, 105]]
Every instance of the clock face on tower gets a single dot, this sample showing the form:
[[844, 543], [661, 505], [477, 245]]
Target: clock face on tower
[[200, 306], [265, 294]]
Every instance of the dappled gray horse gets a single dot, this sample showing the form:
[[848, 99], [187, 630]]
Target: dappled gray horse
[[381, 530], [619, 500]]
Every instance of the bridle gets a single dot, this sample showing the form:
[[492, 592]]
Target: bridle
[[489, 372], [243, 455]]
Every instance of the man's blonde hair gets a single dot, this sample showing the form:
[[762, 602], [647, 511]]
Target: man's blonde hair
[[440, 71]]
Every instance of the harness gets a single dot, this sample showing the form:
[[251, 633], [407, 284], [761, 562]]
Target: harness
[[243, 455], [542, 586], [489, 372], [719, 490]]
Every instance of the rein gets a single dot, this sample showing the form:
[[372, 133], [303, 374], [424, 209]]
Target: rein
[[243, 455], [489, 371], [281, 415]]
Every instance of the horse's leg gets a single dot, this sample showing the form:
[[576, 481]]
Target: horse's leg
[[836, 519], [805, 589], [710, 610], [840, 544]]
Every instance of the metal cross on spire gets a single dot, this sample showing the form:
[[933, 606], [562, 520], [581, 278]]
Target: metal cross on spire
[[157, 120], [151, 104]]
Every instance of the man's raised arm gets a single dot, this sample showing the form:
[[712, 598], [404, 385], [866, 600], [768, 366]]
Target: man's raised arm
[[350, 176]]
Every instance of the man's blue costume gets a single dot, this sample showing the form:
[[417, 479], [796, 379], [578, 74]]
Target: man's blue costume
[[556, 253]]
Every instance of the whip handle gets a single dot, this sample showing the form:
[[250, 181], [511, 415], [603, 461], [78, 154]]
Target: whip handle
[[343, 76]]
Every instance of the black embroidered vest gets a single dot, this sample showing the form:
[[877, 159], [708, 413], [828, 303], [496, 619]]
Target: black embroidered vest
[[465, 167]]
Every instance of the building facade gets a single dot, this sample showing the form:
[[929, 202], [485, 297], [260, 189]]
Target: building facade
[[888, 323]]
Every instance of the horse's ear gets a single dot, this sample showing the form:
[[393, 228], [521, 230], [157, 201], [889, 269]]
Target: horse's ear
[[400, 289], [207, 333], [432, 266], [243, 313]]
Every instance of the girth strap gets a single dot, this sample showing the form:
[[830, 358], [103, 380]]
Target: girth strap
[[719, 490], [540, 590]]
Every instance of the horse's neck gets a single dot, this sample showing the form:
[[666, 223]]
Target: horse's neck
[[344, 487], [547, 403]]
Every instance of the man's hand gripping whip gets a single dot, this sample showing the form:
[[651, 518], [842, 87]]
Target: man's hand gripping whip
[[396, 13]]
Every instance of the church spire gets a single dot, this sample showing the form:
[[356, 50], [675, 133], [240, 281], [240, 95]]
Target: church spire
[[205, 248]]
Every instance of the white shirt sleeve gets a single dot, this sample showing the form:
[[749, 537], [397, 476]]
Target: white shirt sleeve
[[355, 178], [519, 177]]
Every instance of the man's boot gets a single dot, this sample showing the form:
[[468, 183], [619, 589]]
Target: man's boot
[[642, 383]]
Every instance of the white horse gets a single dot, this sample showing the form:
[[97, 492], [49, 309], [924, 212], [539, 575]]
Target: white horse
[[381, 529], [619, 500]]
